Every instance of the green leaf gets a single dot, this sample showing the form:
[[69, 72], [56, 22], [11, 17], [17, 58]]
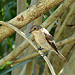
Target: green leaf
[[6, 71], [7, 63]]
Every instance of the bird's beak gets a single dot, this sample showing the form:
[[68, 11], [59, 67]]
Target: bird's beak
[[30, 31]]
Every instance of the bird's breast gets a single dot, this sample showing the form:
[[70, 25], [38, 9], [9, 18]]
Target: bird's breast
[[41, 40]]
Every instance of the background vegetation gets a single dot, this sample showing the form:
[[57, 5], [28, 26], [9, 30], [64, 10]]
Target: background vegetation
[[8, 10]]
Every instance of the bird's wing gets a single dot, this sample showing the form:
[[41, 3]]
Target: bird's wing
[[50, 40]]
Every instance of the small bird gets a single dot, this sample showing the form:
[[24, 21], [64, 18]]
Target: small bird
[[45, 39]]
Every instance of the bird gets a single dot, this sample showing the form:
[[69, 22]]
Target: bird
[[45, 40]]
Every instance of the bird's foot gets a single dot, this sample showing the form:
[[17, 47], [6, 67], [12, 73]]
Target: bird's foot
[[40, 48]]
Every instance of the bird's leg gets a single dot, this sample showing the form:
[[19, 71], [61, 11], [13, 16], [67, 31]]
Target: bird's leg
[[40, 48]]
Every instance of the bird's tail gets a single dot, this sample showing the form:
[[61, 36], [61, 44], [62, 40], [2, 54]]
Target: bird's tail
[[60, 55], [52, 43]]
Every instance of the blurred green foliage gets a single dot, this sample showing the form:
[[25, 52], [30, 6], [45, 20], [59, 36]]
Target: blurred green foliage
[[7, 63], [8, 10]]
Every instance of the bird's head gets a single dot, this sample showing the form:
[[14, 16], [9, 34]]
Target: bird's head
[[35, 28]]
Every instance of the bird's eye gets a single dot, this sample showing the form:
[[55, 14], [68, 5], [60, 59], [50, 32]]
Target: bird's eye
[[34, 28]]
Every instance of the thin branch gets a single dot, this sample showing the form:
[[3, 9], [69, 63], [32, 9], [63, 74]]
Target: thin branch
[[63, 42], [41, 53], [51, 26], [58, 25], [35, 54]]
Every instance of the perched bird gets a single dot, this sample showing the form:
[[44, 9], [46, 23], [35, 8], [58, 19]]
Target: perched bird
[[45, 39]]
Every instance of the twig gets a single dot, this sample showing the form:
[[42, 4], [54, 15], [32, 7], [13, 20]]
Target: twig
[[58, 25], [35, 54], [63, 42], [41, 53], [51, 26]]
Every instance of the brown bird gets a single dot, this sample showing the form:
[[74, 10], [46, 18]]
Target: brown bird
[[45, 39]]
